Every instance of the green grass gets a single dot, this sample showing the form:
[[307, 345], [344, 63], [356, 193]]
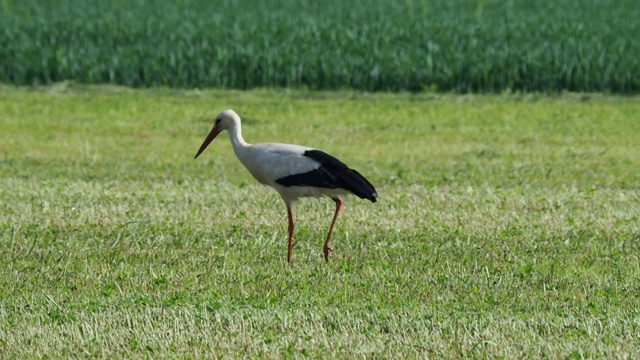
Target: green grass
[[412, 45], [507, 226]]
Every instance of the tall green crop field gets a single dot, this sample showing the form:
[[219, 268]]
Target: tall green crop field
[[459, 45]]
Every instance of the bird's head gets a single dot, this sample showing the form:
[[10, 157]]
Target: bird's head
[[225, 120]]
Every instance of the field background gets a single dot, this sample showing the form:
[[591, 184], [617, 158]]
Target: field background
[[502, 137], [411, 45], [507, 226]]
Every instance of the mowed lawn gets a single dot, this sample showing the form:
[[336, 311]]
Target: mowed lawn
[[506, 226]]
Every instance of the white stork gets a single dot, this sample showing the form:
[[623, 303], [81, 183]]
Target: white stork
[[294, 171]]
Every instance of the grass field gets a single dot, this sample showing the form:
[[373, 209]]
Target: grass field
[[507, 226]]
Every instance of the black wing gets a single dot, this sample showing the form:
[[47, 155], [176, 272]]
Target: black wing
[[331, 174]]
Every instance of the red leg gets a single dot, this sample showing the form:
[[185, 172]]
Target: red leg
[[327, 249], [290, 214]]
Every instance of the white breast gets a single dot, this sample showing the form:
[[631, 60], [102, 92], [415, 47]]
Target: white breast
[[268, 162]]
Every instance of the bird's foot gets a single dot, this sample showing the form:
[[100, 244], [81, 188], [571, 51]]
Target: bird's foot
[[326, 251]]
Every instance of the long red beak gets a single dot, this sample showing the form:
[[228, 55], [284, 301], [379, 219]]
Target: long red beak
[[212, 135]]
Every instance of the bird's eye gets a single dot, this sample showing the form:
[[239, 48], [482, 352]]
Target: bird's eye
[[217, 121]]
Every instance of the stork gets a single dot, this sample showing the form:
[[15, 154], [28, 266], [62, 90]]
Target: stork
[[294, 171]]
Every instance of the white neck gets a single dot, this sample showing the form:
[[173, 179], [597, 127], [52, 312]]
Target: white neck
[[238, 143]]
